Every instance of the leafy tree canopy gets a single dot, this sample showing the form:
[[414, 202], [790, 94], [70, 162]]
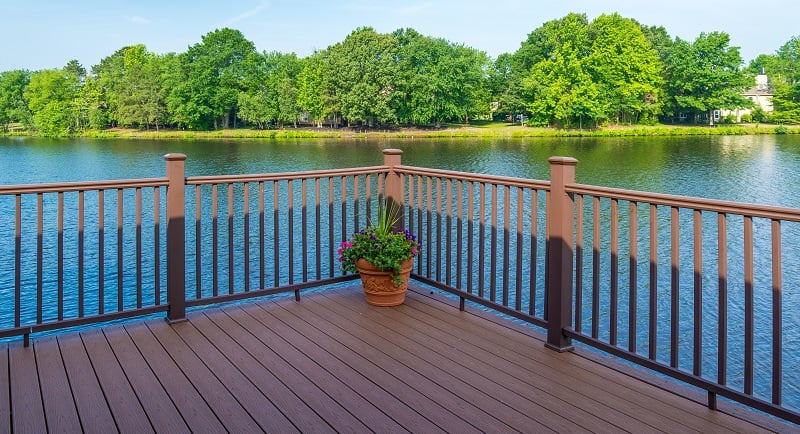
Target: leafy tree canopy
[[570, 72]]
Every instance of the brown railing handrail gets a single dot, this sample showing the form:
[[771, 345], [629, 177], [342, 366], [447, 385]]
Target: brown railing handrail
[[475, 177], [701, 204], [81, 186], [283, 176]]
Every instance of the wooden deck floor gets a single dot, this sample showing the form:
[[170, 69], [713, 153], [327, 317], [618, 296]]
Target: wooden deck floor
[[328, 363]]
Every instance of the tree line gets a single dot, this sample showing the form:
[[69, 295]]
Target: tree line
[[568, 73]]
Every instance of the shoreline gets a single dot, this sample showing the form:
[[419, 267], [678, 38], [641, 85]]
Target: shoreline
[[481, 130]]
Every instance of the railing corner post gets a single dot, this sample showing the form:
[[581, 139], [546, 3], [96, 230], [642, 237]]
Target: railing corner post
[[176, 237], [393, 185], [559, 277]]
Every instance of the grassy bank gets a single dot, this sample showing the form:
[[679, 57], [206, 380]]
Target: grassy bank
[[476, 129]]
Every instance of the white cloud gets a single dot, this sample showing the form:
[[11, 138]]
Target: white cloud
[[247, 14], [136, 19]]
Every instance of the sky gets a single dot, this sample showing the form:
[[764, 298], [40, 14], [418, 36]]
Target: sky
[[41, 34]]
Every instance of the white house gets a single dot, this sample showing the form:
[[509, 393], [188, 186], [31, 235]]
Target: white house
[[761, 95]]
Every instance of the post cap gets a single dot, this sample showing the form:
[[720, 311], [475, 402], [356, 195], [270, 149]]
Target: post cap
[[175, 157], [392, 151], [562, 161]]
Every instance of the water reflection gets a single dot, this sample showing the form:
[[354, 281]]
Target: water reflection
[[741, 168]]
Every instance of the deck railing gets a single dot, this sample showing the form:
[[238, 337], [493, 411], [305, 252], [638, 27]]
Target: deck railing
[[86, 252], [696, 289], [79, 253], [718, 324]]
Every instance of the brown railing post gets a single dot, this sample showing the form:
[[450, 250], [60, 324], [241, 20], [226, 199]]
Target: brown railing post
[[176, 238], [393, 190], [559, 277]]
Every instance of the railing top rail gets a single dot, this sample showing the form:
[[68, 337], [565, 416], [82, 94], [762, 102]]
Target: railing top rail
[[81, 186], [696, 203], [223, 179], [475, 177]]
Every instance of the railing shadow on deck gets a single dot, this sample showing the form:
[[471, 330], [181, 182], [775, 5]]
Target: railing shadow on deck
[[81, 253]]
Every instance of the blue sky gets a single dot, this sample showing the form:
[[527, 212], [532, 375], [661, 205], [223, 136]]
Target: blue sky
[[38, 34]]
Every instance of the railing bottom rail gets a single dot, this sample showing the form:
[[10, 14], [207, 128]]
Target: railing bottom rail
[[712, 387], [464, 295], [296, 288]]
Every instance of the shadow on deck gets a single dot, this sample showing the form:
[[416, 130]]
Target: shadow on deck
[[331, 363]]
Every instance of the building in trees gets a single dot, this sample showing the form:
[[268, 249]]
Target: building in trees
[[761, 95]]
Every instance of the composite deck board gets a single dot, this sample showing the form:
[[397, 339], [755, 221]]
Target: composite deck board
[[528, 380], [527, 373], [226, 407], [301, 415], [331, 363], [335, 388], [5, 403], [331, 411], [26, 404], [154, 399], [349, 378], [59, 406], [247, 394], [492, 398], [92, 407], [638, 398], [121, 400], [575, 383], [413, 374], [526, 388], [190, 403], [316, 330]]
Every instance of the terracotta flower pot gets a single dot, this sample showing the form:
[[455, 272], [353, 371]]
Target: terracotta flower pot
[[379, 289]]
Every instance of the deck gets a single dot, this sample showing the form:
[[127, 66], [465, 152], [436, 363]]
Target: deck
[[330, 363]]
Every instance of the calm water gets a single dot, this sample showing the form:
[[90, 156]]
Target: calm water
[[758, 169]]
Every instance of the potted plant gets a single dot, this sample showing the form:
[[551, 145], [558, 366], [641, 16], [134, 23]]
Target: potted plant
[[383, 257]]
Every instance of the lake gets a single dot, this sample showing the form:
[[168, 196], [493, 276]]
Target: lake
[[741, 168], [757, 169]]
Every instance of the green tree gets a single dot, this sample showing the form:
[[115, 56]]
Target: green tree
[[363, 74], [626, 69], [76, 69], [504, 88], [313, 88], [13, 107], [93, 94], [50, 95], [213, 73], [786, 102], [705, 76], [659, 39], [80, 104], [438, 80], [551, 38], [141, 100], [271, 93], [281, 79], [109, 76], [127, 89], [558, 89], [254, 108], [783, 69]]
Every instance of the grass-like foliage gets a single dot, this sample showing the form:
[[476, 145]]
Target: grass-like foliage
[[380, 243]]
